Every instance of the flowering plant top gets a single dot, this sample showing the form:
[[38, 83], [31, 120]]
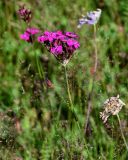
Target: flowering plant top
[[61, 45], [112, 106], [91, 18]]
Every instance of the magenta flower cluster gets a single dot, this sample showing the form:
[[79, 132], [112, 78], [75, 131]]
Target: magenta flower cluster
[[61, 45], [28, 34]]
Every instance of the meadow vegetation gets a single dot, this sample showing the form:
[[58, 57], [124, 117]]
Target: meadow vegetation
[[34, 109]]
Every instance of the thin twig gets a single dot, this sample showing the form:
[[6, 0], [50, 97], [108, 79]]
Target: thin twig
[[93, 80]]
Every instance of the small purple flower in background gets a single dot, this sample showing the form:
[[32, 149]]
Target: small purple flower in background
[[25, 14], [61, 45], [91, 18], [27, 35]]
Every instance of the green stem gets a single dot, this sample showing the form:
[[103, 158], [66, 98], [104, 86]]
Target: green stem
[[71, 109], [91, 86], [122, 132], [95, 48], [68, 90], [38, 67]]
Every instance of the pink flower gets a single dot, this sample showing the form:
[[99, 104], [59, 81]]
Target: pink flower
[[57, 50], [42, 39], [25, 36], [62, 38], [28, 34], [59, 33], [70, 42], [76, 44], [32, 30], [73, 43], [47, 33], [61, 45], [50, 35], [71, 35]]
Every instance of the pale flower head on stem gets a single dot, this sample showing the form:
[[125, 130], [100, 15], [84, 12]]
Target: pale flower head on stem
[[91, 18], [112, 106]]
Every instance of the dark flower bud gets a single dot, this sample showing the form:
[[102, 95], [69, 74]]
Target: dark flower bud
[[25, 14]]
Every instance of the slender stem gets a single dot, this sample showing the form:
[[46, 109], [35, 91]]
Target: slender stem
[[92, 83], [95, 47], [38, 66], [122, 132], [40, 70], [71, 109], [68, 90]]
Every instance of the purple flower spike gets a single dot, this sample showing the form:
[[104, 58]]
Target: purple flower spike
[[91, 18], [61, 45]]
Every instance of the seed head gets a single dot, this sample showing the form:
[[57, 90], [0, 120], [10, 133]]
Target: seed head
[[112, 106]]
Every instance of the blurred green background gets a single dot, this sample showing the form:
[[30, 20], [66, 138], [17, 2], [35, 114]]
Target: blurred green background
[[33, 118]]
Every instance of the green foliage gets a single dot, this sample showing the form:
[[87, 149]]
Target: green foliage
[[38, 126]]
